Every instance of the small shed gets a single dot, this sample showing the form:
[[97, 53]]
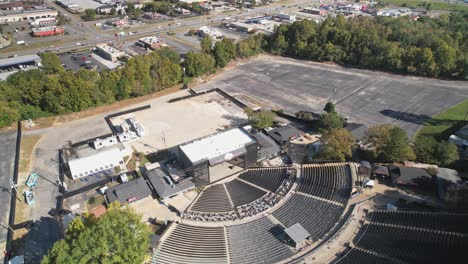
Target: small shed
[[380, 171], [365, 168], [298, 235]]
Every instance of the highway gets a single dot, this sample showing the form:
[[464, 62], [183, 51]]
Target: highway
[[177, 24]]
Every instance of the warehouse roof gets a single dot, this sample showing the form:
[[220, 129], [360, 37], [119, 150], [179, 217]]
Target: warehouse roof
[[226, 144], [19, 60]]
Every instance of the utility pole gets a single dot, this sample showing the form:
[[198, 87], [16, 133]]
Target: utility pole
[[7, 227]]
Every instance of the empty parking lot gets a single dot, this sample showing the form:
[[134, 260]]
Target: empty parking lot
[[363, 96]]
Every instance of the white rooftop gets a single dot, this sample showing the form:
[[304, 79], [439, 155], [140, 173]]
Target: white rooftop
[[216, 145]]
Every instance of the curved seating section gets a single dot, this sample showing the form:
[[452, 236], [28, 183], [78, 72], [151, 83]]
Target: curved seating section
[[450, 222], [414, 245], [264, 203], [329, 181], [267, 178], [193, 244], [242, 193], [360, 256], [411, 237], [212, 199], [258, 241], [316, 216]]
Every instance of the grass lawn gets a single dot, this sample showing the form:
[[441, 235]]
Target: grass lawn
[[27, 146], [446, 123], [435, 5], [143, 159]]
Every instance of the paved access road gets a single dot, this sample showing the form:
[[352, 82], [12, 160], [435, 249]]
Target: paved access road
[[101, 37], [7, 159], [365, 97]]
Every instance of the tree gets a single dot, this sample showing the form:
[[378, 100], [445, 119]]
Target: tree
[[397, 148], [8, 115], [446, 153], [336, 145], [260, 119], [424, 148], [224, 51], [100, 240], [196, 7], [90, 14], [329, 108], [206, 44], [330, 120], [389, 143], [428, 150], [51, 63], [197, 64]]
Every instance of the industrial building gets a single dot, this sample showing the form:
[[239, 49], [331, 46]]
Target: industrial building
[[10, 17], [47, 31], [108, 52], [128, 192], [152, 43], [31, 59], [84, 161], [164, 184], [234, 146]]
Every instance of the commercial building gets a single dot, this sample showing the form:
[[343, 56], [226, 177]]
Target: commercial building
[[43, 22], [152, 43], [108, 52], [163, 184], [243, 27], [32, 59], [314, 11], [284, 134], [234, 146], [84, 161], [10, 17], [47, 31], [128, 192]]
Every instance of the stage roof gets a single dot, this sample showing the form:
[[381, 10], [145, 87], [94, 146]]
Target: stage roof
[[225, 144]]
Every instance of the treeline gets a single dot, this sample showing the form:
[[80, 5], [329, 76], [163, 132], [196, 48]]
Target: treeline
[[54, 90], [433, 47]]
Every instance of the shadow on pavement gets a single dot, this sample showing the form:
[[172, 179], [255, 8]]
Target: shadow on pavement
[[40, 238]]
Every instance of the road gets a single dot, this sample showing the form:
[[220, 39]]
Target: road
[[177, 24], [7, 158]]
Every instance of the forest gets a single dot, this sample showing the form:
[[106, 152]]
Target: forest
[[432, 47]]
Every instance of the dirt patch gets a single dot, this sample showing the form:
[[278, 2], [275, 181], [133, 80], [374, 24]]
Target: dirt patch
[[22, 209], [27, 146]]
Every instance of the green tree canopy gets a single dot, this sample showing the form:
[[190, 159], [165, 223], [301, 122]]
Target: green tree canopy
[[206, 44], [197, 64], [224, 51], [337, 144], [51, 63], [329, 108], [260, 119], [89, 14], [389, 143], [117, 237], [330, 120]]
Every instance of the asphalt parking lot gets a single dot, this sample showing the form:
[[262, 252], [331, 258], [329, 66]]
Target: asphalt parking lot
[[85, 60], [363, 96]]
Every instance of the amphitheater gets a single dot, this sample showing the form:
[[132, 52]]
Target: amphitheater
[[243, 221]]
